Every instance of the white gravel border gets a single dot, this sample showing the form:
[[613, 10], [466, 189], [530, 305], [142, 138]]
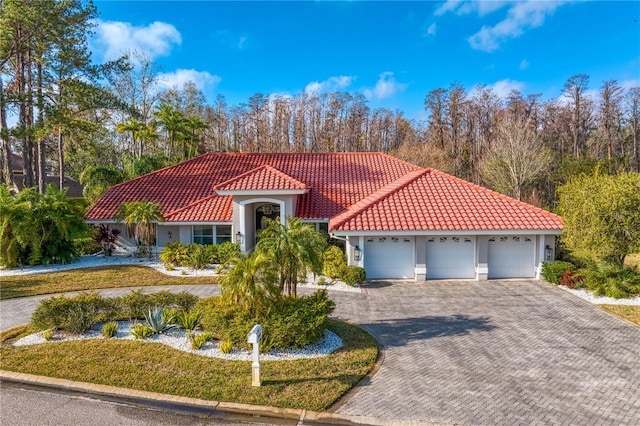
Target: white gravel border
[[92, 261], [600, 300], [176, 339]]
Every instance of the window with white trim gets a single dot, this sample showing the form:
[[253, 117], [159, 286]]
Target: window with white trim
[[203, 234], [223, 234]]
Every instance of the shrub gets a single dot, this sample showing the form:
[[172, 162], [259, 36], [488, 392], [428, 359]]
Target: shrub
[[68, 314], [159, 320], [110, 329], [226, 346], [288, 323], [173, 254], [48, 334], [106, 238], [225, 252], [553, 271], [612, 280], [136, 304], [571, 279], [334, 261], [81, 318], [198, 256], [353, 275], [141, 331]]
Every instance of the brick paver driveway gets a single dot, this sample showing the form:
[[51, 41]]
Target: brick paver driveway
[[496, 352]]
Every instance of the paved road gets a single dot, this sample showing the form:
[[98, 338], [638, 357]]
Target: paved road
[[23, 406], [496, 352]]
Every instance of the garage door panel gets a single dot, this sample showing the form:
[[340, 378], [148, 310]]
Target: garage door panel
[[450, 257], [389, 257], [512, 257]]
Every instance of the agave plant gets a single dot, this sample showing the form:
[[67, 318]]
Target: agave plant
[[158, 320]]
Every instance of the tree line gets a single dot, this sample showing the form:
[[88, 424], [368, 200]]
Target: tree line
[[105, 123]]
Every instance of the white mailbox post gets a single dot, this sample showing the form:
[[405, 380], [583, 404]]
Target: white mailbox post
[[254, 337]]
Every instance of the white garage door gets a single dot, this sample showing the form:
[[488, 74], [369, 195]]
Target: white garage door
[[389, 257], [512, 256], [451, 257]]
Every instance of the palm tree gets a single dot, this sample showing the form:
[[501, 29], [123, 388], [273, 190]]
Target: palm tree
[[295, 249], [140, 216], [173, 122], [250, 282]]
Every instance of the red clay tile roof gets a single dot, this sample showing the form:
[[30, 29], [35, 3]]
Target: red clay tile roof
[[335, 182], [261, 178], [358, 191], [429, 200]]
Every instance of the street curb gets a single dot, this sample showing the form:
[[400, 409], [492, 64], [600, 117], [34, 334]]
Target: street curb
[[212, 408]]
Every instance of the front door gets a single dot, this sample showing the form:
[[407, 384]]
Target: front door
[[264, 212]]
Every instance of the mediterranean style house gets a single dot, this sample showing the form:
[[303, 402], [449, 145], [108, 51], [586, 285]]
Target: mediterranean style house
[[398, 220]]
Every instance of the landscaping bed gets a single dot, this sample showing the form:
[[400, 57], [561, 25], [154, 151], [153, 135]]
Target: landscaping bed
[[305, 383]]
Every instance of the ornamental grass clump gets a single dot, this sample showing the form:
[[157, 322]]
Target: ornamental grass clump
[[142, 331], [226, 346], [189, 320], [110, 329]]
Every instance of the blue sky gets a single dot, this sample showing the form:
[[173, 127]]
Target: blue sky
[[392, 52]]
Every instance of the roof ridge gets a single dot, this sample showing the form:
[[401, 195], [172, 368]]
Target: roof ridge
[[506, 198], [377, 197]]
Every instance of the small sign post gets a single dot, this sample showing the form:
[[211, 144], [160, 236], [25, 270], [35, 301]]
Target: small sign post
[[254, 337]]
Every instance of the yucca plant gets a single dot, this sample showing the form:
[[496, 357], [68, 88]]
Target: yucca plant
[[198, 341], [159, 321]]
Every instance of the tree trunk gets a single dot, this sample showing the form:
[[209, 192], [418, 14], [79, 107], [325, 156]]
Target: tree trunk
[[41, 163], [7, 175]]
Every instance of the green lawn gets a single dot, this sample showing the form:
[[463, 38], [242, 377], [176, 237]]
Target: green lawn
[[308, 384], [631, 313], [91, 279]]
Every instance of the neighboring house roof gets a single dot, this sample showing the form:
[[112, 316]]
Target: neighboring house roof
[[357, 191], [74, 189], [431, 200], [263, 178]]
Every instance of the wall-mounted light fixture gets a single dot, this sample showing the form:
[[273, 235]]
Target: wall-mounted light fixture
[[356, 253], [548, 254], [238, 238]]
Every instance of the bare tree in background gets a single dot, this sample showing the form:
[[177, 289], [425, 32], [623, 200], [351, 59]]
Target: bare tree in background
[[633, 113], [515, 159], [610, 118]]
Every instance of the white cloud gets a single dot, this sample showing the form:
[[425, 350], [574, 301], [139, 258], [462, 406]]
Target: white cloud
[[202, 79], [431, 30], [331, 84], [232, 40], [502, 88], [466, 7], [524, 64], [520, 16], [385, 87], [115, 38]]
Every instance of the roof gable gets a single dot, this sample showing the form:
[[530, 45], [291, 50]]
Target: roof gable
[[430, 200], [261, 179]]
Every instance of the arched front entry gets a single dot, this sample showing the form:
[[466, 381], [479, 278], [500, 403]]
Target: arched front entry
[[251, 214], [263, 213]]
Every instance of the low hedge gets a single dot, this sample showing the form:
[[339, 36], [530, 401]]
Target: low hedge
[[74, 313], [288, 323]]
